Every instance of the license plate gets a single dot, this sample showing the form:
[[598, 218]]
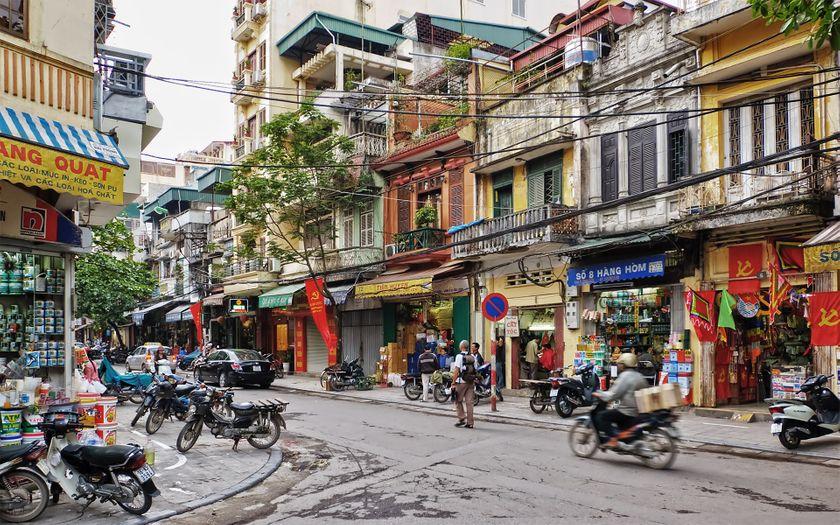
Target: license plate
[[776, 428], [144, 473], [258, 369], [553, 392]]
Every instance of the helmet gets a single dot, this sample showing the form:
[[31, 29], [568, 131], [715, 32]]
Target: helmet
[[627, 359]]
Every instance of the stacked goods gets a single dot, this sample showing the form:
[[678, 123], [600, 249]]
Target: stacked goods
[[679, 367], [106, 420], [30, 431], [591, 350], [786, 383], [397, 359], [662, 397], [10, 426]]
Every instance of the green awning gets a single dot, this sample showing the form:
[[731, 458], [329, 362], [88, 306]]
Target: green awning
[[594, 245], [207, 181], [320, 27], [280, 296], [515, 37], [179, 198]]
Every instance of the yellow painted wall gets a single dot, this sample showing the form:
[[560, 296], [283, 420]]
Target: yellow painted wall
[[570, 196], [520, 189]]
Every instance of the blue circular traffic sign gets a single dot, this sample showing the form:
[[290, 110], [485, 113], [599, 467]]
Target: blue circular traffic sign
[[494, 307]]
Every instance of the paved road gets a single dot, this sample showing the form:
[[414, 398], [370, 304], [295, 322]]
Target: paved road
[[353, 461]]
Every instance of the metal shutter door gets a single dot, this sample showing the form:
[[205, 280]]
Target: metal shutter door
[[350, 335], [361, 334], [316, 349]]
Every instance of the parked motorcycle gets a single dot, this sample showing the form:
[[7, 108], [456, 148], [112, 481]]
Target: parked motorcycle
[[24, 494], [544, 393], [346, 375], [795, 420], [170, 399], [442, 385], [117, 473], [125, 387], [652, 437], [575, 393], [483, 388], [259, 423], [412, 386]]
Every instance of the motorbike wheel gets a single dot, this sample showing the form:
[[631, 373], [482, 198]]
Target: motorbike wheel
[[440, 394], [224, 380], [141, 502], [141, 410], [335, 384], [29, 488], [155, 420], [564, 406], [583, 439], [788, 437], [270, 439], [325, 377], [188, 435], [137, 396], [661, 451], [537, 406], [413, 391]]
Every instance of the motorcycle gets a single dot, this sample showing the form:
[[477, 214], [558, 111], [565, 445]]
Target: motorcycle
[[276, 365], [574, 393], [259, 423], [818, 415], [345, 375], [442, 389], [544, 393], [125, 387], [483, 388], [651, 437], [117, 473], [24, 494], [412, 386], [169, 399]]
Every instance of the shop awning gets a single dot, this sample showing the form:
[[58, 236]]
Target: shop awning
[[217, 299], [57, 156], [591, 245], [403, 282], [822, 251], [340, 293], [828, 235], [177, 314], [138, 315], [280, 296]]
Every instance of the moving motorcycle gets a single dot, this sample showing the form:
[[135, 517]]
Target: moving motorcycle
[[795, 420], [116, 473], [24, 493], [259, 423], [345, 375], [169, 399], [651, 437], [575, 393]]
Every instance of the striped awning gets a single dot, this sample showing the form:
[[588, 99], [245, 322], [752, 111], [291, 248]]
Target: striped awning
[[60, 136]]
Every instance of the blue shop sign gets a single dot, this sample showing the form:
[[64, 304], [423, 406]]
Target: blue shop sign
[[626, 270]]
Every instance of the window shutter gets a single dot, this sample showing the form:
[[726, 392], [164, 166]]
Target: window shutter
[[609, 168], [456, 197], [557, 185], [649, 164], [634, 165], [536, 189], [404, 210]]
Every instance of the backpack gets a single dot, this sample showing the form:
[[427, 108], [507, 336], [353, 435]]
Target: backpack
[[468, 373]]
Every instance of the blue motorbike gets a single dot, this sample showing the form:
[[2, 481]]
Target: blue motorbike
[[125, 387], [169, 399]]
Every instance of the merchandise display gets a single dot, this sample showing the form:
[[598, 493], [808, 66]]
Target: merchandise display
[[637, 320]]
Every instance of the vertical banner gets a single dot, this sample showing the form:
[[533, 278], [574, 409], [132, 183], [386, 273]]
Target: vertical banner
[[300, 344], [790, 256], [701, 309], [195, 310], [824, 310], [319, 315]]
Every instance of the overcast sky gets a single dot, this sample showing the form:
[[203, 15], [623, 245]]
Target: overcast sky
[[187, 39]]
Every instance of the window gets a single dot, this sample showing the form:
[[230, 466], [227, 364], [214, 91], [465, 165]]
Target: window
[[609, 168], [503, 193], [13, 19], [326, 231], [782, 133], [261, 57], [806, 124], [641, 159], [519, 8], [347, 228], [366, 227], [435, 200], [545, 180], [678, 147], [758, 132]]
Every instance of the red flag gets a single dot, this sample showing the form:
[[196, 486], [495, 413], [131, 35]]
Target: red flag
[[824, 311], [743, 286], [790, 256], [779, 292], [701, 309], [315, 297], [195, 310], [745, 260]]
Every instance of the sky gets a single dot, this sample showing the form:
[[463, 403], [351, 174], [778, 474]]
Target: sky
[[187, 39]]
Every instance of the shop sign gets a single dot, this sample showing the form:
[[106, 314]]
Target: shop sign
[[823, 258], [42, 167], [407, 288], [511, 327], [238, 306], [626, 270], [23, 216]]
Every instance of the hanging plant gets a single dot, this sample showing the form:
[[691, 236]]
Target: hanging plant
[[426, 216]]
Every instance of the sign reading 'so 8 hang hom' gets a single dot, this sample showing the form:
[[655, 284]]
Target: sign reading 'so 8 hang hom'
[[615, 271], [823, 258]]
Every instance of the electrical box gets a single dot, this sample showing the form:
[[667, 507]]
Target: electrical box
[[572, 315]]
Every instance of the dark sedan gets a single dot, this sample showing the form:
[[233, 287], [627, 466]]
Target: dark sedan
[[235, 367]]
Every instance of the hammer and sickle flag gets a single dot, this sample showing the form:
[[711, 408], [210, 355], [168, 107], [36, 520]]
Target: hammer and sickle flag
[[745, 262], [824, 309]]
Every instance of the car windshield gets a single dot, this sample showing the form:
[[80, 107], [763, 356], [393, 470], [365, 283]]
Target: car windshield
[[247, 355]]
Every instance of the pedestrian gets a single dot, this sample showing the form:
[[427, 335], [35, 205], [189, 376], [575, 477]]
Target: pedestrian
[[428, 364], [532, 358], [463, 386], [500, 362], [474, 350]]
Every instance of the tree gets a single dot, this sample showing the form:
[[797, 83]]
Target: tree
[[291, 198], [107, 286], [824, 14]]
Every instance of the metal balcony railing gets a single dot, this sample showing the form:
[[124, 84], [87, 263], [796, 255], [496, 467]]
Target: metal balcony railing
[[122, 71], [500, 227], [369, 144], [243, 266], [418, 239]]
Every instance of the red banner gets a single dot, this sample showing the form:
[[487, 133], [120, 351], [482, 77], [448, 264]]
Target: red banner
[[300, 345], [315, 297], [824, 310], [195, 310], [745, 260], [701, 310], [790, 256]]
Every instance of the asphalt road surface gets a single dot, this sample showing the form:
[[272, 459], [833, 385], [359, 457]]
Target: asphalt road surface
[[351, 461]]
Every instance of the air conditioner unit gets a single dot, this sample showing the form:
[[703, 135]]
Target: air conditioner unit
[[259, 11], [276, 265], [390, 250]]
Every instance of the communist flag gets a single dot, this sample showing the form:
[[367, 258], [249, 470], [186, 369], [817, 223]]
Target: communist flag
[[745, 261], [824, 310]]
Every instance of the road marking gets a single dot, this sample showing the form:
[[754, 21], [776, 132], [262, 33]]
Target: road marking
[[182, 459], [722, 425], [164, 446], [182, 491]]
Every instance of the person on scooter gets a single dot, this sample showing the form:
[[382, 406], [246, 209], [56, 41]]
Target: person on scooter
[[622, 390]]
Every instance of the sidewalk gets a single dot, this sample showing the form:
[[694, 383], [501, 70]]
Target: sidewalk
[[752, 439]]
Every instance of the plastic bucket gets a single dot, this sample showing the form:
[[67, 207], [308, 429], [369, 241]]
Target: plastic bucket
[[31, 422], [10, 422], [8, 440], [107, 433], [87, 408], [106, 411], [32, 437]]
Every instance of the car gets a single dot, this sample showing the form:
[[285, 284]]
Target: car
[[232, 367], [136, 361]]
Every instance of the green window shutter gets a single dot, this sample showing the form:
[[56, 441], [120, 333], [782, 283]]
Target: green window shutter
[[557, 184], [536, 189]]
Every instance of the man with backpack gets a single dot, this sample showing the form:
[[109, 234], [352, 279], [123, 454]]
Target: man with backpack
[[463, 388], [428, 364]]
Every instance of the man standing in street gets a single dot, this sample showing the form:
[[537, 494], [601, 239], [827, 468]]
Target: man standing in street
[[463, 389], [428, 364], [475, 351], [500, 362]]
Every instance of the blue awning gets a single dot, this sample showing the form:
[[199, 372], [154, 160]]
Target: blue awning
[[60, 136], [177, 314], [138, 315]]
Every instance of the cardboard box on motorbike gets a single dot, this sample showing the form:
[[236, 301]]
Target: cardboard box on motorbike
[[662, 397]]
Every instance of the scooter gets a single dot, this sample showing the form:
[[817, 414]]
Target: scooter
[[795, 420], [482, 384], [24, 493], [171, 399], [574, 393]]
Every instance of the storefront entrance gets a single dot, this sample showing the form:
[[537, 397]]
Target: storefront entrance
[[362, 337]]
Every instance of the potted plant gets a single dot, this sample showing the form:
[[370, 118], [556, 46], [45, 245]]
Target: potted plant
[[426, 217]]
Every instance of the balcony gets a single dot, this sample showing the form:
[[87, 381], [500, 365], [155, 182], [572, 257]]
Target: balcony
[[220, 230], [241, 267], [348, 257], [246, 21], [504, 240], [246, 86], [369, 144], [704, 18], [186, 223], [419, 239]]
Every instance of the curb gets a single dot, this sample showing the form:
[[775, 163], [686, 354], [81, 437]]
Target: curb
[[268, 468], [720, 447]]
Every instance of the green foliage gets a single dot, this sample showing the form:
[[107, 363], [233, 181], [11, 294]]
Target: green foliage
[[449, 120], [351, 76], [113, 237], [824, 14], [426, 216]]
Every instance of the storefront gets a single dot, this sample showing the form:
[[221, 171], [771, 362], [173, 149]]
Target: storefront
[[279, 308], [181, 327], [240, 323]]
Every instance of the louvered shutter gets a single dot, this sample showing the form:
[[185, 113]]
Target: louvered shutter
[[557, 184], [609, 168], [635, 181], [536, 189], [404, 210], [456, 197]]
